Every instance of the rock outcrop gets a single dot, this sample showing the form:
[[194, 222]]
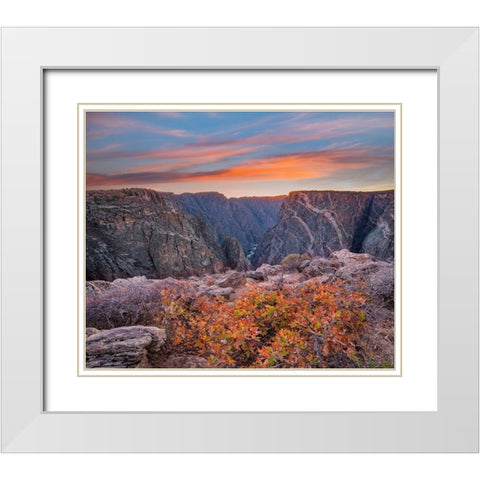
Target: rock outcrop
[[135, 232], [321, 222], [359, 271], [232, 279], [124, 347], [234, 256], [378, 277], [318, 266]]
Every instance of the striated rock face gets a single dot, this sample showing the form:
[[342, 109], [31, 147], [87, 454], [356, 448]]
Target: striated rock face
[[246, 218], [135, 232], [124, 347], [320, 222]]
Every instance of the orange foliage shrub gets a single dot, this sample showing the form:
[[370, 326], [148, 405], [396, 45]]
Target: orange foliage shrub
[[313, 326]]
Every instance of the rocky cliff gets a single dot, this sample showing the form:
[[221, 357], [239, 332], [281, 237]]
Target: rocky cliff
[[134, 232], [320, 222], [245, 218]]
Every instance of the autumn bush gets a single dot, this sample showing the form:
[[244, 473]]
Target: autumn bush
[[274, 325], [311, 326]]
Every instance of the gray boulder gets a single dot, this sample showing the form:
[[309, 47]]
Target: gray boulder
[[219, 292], [304, 265], [124, 347], [349, 258], [379, 276], [321, 266], [232, 279], [269, 270], [256, 275], [91, 331]]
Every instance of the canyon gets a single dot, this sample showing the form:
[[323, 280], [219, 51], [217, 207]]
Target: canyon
[[135, 232]]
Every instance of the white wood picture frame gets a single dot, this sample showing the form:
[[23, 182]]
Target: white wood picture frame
[[28, 52]]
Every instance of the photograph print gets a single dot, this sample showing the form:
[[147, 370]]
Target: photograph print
[[240, 238]]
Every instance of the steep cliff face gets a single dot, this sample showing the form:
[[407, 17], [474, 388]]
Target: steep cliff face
[[320, 222], [246, 218], [135, 232], [143, 232]]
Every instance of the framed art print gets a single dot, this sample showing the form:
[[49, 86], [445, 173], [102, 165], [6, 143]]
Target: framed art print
[[245, 239], [244, 244]]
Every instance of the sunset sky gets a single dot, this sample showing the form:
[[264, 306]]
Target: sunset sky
[[240, 153]]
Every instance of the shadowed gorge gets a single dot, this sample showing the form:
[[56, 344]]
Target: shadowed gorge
[[246, 218]]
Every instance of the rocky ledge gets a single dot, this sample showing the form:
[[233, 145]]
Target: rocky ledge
[[124, 347], [134, 347], [138, 302]]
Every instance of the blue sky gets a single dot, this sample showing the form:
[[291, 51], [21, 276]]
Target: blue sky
[[240, 153]]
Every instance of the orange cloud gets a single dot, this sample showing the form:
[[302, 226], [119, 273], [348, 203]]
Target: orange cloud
[[303, 165], [198, 159], [190, 153]]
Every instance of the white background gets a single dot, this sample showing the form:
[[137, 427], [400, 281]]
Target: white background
[[415, 390], [267, 13]]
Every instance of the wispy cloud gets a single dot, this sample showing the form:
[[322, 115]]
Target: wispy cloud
[[302, 165], [291, 132], [227, 149], [101, 125], [189, 153]]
